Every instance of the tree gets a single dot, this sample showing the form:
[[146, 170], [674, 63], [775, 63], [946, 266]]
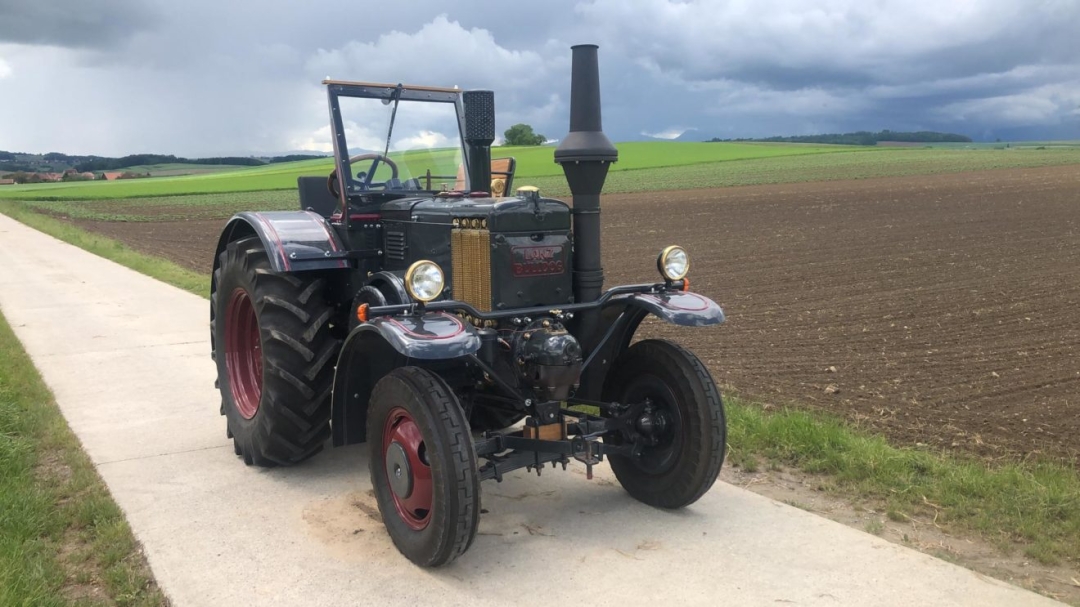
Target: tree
[[522, 134]]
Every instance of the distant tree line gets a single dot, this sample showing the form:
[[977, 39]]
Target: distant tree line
[[113, 164], [16, 161], [865, 138], [293, 158]]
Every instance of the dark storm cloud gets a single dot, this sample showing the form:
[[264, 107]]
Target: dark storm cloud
[[212, 77], [95, 24], [787, 44], [783, 66]]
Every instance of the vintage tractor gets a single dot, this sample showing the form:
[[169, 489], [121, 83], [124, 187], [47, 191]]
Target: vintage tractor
[[461, 334]]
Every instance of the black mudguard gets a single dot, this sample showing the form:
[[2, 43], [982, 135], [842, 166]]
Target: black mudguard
[[680, 308], [621, 318], [295, 240], [432, 336], [375, 348]]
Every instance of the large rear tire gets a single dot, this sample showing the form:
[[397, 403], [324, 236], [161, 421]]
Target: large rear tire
[[423, 466], [688, 448], [275, 356]]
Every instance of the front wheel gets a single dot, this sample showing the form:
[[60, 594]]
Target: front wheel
[[682, 424], [423, 466]]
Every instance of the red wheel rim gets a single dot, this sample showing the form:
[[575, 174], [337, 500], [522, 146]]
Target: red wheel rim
[[243, 353], [408, 470]]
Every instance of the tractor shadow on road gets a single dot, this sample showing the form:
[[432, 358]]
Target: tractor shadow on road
[[523, 518]]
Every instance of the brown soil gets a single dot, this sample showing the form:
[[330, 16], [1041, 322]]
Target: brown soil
[[939, 310]]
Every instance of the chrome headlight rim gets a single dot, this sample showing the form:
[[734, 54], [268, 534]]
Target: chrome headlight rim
[[665, 256], [413, 273]]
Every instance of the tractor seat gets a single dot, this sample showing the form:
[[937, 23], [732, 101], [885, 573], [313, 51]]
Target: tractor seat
[[315, 197], [502, 176]]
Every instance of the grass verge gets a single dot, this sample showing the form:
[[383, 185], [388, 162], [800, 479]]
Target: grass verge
[[1032, 504], [161, 269], [62, 538], [1035, 505]]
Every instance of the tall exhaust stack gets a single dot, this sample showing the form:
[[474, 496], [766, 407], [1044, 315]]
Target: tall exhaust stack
[[586, 155]]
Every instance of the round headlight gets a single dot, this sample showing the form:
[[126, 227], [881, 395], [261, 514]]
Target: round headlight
[[424, 280], [673, 263]]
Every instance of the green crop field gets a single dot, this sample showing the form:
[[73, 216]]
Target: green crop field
[[642, 166], [173, 169], [532, 162], [847, 163]]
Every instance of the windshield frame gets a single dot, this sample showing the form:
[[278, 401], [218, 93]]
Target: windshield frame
[[348, 186]]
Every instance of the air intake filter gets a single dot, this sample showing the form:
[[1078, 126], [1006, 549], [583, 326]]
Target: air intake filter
[[479, 133], [479, 116]]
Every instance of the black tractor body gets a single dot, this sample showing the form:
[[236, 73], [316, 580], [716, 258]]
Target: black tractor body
[[415, 303]]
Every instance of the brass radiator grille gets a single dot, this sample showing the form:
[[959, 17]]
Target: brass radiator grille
[[470, 252]]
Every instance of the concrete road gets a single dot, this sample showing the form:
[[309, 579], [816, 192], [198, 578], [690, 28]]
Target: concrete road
[[128, 360]]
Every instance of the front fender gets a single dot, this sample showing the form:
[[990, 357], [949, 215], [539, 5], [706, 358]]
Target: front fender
[[431, 336], [680, 308], [375, 348], [621, 318]]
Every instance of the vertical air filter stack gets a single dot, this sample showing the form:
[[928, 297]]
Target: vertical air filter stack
[[586, 155], [479, 134]]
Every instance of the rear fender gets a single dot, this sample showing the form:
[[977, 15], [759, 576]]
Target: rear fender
[[294, 240], [375, 348]]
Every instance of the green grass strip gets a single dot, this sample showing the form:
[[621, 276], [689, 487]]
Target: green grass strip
[[155, 267], [63, 540], [1034, 504]]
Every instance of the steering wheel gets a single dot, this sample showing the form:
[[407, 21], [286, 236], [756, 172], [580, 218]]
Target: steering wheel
[[332, 180]]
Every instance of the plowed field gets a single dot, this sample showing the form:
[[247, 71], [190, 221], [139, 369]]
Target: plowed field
[[942, 310]]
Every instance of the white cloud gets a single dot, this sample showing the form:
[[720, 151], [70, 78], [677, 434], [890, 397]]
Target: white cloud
[[5, 69], [426, 140], [671, 133], [1040, 106], [441, 52]]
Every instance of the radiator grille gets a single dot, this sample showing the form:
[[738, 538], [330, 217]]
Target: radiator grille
[[470, 252], [395, 245]]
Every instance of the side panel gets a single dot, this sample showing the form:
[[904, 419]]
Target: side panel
[[295, 240]]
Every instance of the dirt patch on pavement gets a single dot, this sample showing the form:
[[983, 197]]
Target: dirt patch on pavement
[[939, 310]]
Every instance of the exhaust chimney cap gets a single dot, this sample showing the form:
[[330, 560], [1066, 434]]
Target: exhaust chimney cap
[[586, 141]]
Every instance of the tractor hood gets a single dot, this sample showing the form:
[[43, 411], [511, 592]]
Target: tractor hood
[[512, 214]]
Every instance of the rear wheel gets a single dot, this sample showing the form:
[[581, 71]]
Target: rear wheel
[[683, 422], [423, 466], [275, 356]]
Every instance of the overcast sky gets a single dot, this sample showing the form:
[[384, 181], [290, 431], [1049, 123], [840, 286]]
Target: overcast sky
[[202, 77]]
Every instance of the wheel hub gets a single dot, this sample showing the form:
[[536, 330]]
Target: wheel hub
[[398, 472], [653, 424], [657, 425], [408, 471], [243, 353]]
